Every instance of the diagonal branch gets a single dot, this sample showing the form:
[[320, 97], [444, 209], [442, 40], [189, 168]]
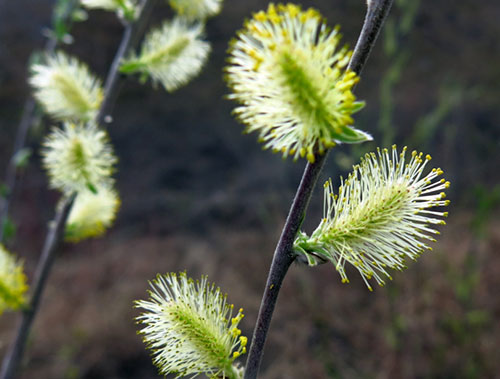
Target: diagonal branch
[[282, 259], [54, 234], [131, 36]]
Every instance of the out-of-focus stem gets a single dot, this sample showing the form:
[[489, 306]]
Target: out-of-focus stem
[[133, 32], [55, 232], [283, 258]]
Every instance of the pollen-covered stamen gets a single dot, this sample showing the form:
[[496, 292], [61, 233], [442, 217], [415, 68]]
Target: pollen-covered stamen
[[292, 83], [380, 216]]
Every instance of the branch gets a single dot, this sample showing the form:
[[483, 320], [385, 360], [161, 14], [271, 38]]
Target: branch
[[131, 36], [55, 232], [283, 258]]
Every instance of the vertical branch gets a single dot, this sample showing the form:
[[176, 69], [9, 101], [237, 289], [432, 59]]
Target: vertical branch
[[55, 232], [282, 259], [11, 361]]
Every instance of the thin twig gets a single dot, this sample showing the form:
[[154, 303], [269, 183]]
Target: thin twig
[[131, 36], [11, 361], [283, 258], [56, 230], [28, 118]]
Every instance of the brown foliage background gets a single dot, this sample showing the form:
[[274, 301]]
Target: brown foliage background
[[199, 196]]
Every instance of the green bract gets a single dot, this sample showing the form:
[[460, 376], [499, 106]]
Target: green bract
[[292, 83]]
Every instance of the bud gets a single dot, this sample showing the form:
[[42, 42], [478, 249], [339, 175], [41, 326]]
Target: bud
[[292, 82], [190, 329], [92, 213], [196, 9], [12, 282], [125, 8], [66, 89], [380, 218], [78, 158], [171, 55]]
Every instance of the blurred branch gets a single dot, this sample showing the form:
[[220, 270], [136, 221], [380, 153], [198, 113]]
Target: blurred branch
[[55, 232], [396, 33], [131, 37], [283, 258]]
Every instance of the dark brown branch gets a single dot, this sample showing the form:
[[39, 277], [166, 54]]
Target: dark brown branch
[[131, 37], [55, 232], [283, 258]]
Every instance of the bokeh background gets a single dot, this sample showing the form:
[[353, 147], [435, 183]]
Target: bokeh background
[[200, 196]]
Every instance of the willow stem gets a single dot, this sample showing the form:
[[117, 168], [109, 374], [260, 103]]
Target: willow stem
[[376, 13], [133, 32], [56, 229], [130, 38]]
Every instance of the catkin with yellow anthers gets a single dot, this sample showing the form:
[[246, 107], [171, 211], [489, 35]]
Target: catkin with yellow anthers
[[65, 88], [196, 10], [92, 213], [291, 80], [172, 54], [78, 157], [13, 285], [185, 324], [384, 214]]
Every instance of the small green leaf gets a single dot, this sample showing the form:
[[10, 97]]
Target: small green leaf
[[92, 188], [21, 158], [9, 229], [351, 135], [79, 15], [131, 66], [4, 190], [357, 106], [36, 57], [144, 78]]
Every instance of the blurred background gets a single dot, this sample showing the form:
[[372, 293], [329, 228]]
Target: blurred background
[[200, 196]]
